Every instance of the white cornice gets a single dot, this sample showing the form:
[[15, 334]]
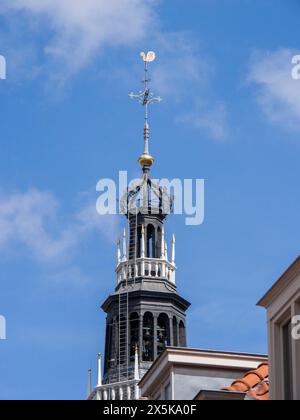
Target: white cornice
[[199, 358], [284, 281]]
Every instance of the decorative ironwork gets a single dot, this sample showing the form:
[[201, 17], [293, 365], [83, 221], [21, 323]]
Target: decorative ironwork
[[146, 97], [146, 197]]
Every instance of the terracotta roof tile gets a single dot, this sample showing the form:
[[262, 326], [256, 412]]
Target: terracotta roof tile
[[255, 383]]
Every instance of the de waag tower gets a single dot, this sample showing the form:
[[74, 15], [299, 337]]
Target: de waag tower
[[145, 314]]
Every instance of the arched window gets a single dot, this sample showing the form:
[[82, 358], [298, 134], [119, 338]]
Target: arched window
[[175, 331], [134, 333], [151, 242], [108, 336], [182, 336], [148, 337], [163, 333], [113, 331]]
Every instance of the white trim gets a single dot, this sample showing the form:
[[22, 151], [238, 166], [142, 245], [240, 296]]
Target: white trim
[[172, 357]]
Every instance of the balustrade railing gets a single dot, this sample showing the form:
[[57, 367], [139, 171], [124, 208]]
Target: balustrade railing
[[128, 390], [146, 267]]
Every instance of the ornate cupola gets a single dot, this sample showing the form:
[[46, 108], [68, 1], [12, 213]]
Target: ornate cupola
[[145, 314]]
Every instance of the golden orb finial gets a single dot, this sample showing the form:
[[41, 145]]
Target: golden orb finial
[[146, 160]]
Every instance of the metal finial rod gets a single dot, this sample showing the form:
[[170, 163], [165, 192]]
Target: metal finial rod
[[146, 92], [146, 138], [146, 97]]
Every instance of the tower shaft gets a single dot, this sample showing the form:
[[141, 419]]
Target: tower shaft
[[145, 314]]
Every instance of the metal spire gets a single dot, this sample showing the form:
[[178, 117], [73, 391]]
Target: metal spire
[[89, 387], [145, 98]]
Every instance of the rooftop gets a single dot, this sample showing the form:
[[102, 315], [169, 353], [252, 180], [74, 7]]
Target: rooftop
[[255, 384], [236, 363]]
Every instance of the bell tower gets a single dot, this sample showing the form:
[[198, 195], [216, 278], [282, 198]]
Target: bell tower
[[145, 313]]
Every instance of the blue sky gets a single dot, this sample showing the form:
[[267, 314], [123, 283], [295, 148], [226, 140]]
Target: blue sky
[[231, 115]]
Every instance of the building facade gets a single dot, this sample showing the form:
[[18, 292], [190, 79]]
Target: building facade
[[282, 302]]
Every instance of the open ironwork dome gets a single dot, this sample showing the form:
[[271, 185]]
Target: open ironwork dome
[[147, 197]]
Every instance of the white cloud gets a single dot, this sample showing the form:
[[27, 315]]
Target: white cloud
[[213, 121], [81, 28], [278, 93], [31, 220], [71, 275], [78, 30], [180, 67], [89, 220]]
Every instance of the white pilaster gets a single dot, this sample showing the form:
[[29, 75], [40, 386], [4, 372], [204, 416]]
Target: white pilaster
[[136, 365], [128, 392], [136, 392], [163, 243], [99, 381], [173, 249], [124, 273], [163, 266], [124, 246], [143, 242], [136, 374], [89, 387], [119, 251]]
